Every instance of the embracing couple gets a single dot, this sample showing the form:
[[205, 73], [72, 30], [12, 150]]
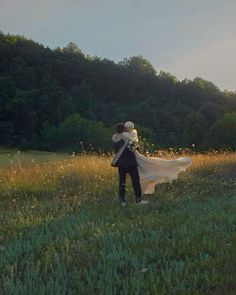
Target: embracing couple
[[145, 172]]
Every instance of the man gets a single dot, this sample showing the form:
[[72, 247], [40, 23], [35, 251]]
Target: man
[[126, 162]]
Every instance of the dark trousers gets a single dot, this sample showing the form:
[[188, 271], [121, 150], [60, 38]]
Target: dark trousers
[[133, 172]]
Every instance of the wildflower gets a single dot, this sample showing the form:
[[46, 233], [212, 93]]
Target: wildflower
[[144, 269], [130, 144]]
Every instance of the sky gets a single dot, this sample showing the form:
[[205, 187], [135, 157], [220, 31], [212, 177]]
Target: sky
[[187, 38]]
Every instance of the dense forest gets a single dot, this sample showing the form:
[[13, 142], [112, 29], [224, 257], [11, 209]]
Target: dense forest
[[63, 99]]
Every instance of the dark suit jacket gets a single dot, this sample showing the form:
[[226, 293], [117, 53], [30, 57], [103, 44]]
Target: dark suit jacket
[[127, 158]]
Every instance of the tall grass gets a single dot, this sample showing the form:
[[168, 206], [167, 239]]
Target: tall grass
[[63, 231]]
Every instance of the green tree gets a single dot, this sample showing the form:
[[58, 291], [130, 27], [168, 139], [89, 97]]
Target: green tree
[[211, 111], [77, 133], [7, 88], [83, 99], [195, 130], [139, 64], [22, 74], [73, 49], [208, 87], [167, 76], [23, 119], [223, 133]]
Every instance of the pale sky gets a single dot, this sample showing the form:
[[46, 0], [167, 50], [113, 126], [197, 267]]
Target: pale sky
[[188, 38]]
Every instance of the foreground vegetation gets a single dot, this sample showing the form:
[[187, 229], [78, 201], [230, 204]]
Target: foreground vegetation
[[62, 230]]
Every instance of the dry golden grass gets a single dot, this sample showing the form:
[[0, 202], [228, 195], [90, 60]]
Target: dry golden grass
[[44, 172]]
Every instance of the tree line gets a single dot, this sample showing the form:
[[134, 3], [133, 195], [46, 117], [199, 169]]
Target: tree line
[[63, 99]]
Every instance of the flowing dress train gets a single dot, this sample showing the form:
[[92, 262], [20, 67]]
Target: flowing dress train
[[155, 170]]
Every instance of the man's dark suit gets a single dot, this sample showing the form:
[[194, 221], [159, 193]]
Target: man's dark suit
[[127, 164]]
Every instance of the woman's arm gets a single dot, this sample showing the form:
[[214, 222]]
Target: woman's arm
[[134, 135]]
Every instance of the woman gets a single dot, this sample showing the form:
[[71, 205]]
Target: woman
[[153, 170]]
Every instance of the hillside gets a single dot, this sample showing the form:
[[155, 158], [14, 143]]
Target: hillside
[[58, 99]]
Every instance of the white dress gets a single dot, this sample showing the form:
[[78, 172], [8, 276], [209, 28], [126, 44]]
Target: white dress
[[155, 170]]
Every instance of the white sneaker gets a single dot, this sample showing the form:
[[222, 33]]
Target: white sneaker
[[144, 202], [123, 204]]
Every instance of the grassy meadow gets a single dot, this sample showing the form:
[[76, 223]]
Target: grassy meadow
[[62, 230]]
